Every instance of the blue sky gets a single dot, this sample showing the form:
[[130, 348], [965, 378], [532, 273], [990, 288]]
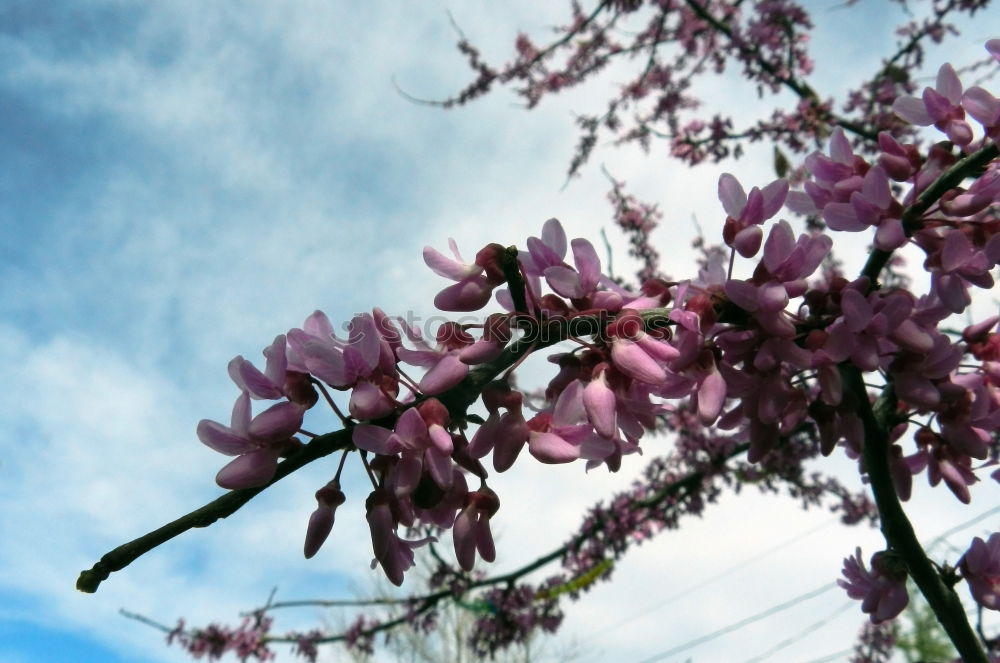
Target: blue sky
[[179, 182]]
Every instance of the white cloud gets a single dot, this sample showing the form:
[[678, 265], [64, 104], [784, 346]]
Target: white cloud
[[294, 177]]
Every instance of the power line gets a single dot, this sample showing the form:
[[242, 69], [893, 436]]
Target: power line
[[966, 524], [792, 602], [773, 610], [707, 581], [815, 626], [831, 657]]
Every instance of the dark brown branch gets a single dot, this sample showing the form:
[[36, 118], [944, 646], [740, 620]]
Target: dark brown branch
[[458, 399], [222, 507], [896, 527], [880, 419]]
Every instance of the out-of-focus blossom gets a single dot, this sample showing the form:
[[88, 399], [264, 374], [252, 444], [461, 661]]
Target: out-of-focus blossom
[[940, 106], [882, 590], [980, 567], [746, 212]]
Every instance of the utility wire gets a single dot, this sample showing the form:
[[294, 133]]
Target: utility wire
[[940, 538], [773, 610], [707, 581], [831, 657], [815, 626], [792, 602]]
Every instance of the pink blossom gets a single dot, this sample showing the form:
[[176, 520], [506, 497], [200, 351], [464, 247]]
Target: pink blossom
[[277, 381], [471, 532], [505, 435], [871, 205], [579, 283], [563, 434], [980, 567], [328, 498], [424, 441], [993, 46], [371, 400], [899, 161], [475, 282], [257, 443], [746, 212], [834, 178], [945, 462], [601, 404], [337, 362], [940, 106], [394, 554], [985, 108], [636, 353], [954, 265], [882, 591], [547, 251], [444, 364]]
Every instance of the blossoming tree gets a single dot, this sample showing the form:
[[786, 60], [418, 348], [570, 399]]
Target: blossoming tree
[[768, 358]]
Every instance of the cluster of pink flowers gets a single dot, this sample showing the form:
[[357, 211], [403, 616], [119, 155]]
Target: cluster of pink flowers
[[246, 641], [760, 355], [758, 350]]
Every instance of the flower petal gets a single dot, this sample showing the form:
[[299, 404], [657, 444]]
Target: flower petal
[[444, 266], [276, 423], [731, 193], [222, 439], [552, 449], [375, 439], [249, 470]]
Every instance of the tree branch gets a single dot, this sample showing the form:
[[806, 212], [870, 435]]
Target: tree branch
[[896, 527], [457, 400], [222, 507], [802, 90]]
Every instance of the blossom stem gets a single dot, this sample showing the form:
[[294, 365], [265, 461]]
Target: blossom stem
[[344, 420], [518, 362], [407, 380], [368, 469], [340, 467]]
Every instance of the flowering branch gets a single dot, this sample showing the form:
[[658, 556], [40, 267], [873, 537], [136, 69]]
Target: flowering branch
[[803, 90], [457, 399], [965, 168]]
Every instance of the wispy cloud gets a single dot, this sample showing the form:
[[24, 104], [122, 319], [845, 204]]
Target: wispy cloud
[[182, 181]]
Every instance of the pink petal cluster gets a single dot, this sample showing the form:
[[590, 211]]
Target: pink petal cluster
[[746, 212], [940, 106], [980, 566], [881, 590], [256, 442]]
